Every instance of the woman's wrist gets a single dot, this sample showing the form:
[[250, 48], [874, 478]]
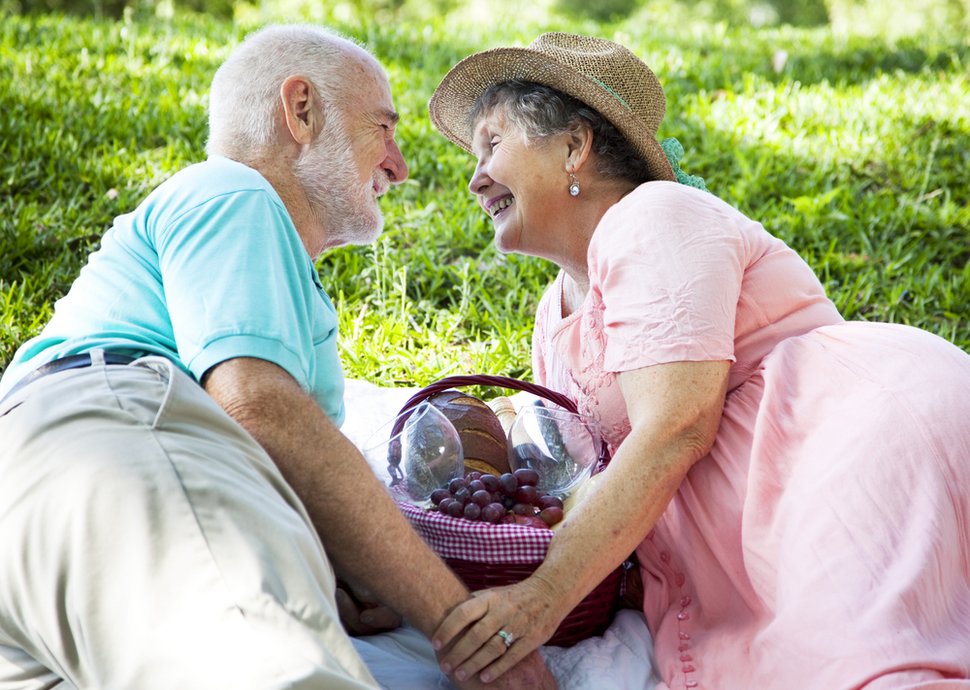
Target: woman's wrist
[[557, 593]]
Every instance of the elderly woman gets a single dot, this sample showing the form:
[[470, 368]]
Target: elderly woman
[[796, 487]]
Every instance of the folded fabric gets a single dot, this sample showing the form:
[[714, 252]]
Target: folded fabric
[[622, 659]]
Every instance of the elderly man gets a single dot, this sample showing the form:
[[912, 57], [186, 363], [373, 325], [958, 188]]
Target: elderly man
[[173, 477]]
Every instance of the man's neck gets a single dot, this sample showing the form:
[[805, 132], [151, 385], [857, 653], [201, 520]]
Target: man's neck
[[307, 222]]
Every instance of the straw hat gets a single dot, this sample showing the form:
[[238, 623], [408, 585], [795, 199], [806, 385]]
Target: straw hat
[[602, 74]]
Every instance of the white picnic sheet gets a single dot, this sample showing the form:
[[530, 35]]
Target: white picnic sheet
[[622, 659]]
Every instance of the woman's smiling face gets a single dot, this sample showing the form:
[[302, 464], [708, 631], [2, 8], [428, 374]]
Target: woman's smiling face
[[521, 183]]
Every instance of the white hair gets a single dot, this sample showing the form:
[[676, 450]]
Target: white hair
[[245, 93]]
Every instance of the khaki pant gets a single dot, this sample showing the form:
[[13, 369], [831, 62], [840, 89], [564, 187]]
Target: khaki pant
[[147, 542]]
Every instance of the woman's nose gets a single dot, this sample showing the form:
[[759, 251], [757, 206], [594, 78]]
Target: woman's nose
[[480, 179], [394, 164]]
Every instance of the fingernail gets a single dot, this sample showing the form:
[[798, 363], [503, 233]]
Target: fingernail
[[461, 675], [446, 668], [486, 678], [436, 644], [367, 617]]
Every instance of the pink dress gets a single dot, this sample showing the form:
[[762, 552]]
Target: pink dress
[[824, 543]]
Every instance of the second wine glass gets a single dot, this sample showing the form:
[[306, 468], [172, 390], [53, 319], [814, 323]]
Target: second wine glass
[[561, 446]]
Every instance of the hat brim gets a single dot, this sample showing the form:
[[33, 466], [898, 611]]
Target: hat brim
[[455, 96]]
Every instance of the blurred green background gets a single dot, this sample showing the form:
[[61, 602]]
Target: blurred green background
[[842, 125]]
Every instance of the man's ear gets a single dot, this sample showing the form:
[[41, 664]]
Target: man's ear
[[302, 111]]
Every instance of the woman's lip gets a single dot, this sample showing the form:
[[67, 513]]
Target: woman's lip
[[494, 200]]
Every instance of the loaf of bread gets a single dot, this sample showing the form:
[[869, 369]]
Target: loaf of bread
[[483, 439]]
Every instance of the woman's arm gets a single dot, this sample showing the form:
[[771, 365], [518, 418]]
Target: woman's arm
[[674, 412]]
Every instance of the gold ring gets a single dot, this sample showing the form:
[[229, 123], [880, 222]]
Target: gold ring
[[507, 637]]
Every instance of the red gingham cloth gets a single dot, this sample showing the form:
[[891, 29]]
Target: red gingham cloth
[[483, 542]]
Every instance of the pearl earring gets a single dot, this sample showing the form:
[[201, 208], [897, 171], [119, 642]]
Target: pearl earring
[[573, 185]]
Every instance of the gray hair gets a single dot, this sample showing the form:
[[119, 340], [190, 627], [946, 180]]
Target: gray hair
[[542, 111], [245, 94]]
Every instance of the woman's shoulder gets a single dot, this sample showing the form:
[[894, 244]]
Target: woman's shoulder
[[661, 208], [673, 223], [665, 197]]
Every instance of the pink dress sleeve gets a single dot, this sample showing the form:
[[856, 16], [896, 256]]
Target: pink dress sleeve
[[666, 269]]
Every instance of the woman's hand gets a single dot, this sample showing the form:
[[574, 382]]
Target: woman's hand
[[527, 614]]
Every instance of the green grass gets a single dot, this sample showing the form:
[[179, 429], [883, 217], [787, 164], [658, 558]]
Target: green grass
[[855, 152]]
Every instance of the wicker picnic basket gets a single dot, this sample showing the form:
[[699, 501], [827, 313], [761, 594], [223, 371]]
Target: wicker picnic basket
[[485, 555]]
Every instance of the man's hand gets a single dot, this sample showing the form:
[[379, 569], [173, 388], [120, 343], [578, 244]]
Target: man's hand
[[361, 613], [529, 673]]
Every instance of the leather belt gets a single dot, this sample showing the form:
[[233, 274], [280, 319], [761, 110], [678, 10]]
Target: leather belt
[[65, 363]]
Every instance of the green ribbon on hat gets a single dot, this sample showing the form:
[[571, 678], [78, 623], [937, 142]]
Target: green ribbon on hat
[[612, 93], [674, 151]]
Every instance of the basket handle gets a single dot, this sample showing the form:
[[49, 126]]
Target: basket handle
[[486, 380]]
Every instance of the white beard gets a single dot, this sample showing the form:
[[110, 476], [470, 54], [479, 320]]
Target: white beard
[[328, 173]]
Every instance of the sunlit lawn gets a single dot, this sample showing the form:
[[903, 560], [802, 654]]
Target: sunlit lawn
[[853, 150]]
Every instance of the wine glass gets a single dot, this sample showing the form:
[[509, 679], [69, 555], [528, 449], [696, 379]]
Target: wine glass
[[421, 451], [561, 446]]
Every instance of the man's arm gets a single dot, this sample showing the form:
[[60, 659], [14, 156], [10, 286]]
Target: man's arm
[[364, 534]]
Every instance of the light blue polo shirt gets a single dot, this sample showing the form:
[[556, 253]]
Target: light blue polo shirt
[[207, 268]]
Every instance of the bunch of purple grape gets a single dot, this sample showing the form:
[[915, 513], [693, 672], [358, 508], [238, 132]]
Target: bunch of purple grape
[[508, 498]]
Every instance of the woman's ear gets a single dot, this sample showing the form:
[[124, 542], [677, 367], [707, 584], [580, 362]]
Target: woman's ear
[[579, 145], [302, 111]]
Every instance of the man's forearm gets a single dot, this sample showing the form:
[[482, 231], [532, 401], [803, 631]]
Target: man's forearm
[[364, 534], [367, 538]]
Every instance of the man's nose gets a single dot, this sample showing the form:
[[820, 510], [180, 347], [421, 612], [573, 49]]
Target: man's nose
[[394, 164]]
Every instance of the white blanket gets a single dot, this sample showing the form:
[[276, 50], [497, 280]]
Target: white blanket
[[622, 659]]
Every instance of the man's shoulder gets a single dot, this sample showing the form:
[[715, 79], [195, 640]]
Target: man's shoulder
[[218, 175], [213, 181]]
